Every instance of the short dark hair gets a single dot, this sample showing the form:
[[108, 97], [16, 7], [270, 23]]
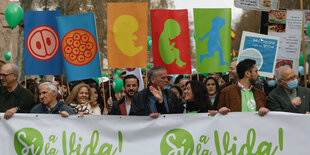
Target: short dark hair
[[178, 89], [245, 65], [123, 73], [130, 76], [178, 78]]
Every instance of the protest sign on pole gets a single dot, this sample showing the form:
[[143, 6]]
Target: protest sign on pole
[[258, 4], [127, 34], [261, 48], [79, 46], [213, 39], [42, 46], [170, 40]]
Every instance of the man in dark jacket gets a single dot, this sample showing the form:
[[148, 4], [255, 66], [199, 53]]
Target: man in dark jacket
[[49, 104], [13, 97], [122, 106], [288, 96], [156, 99]]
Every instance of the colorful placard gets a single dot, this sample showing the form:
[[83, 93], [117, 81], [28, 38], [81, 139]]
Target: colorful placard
[[127, 34]]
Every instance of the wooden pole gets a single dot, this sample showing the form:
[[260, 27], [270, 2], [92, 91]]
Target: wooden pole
[[197, 76], [26, 81], [68, 88], [254, 21], [145, 86], [303, 44], [104, 98], [98, 45], [109, 84]]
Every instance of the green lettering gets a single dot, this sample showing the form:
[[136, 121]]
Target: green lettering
[[120, 141], [93, 143], [198, 148], [217, 143], [264, 148]]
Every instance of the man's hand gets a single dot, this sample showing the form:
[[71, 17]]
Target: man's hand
[[9, 113], [263, 111], [296, 101], [157, 93], [307, 112], [63, 113], [212, 112], [224, 110], [154, 115]]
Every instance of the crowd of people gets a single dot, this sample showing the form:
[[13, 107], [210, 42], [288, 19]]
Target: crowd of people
[[241, 90]]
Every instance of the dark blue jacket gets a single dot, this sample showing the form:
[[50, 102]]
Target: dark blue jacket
[[60, 106]]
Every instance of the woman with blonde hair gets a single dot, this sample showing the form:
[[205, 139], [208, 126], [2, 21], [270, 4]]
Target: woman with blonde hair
[[82, 100]]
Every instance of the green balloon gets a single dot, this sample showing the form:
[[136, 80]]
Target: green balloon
[[117, 85], [7, 55], [115, 75], [308, 29], [301, 60], [97, 80], [149, 43], [118, 72], [148, 66], [13, 15], [105, 75]]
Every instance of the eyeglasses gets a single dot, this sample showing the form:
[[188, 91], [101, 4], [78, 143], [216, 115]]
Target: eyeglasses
[[5, 75]]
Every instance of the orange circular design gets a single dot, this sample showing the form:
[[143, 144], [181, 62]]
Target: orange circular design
[[72, 56], [87, 54], [89, 46], [81, 58], [68, 49], [84, 38], [76, 43], [69, 41], [82, 48], [79, 47]]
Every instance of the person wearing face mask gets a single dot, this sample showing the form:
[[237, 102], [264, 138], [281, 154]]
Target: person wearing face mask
[[242, 96], [288, 96], [269, 85]]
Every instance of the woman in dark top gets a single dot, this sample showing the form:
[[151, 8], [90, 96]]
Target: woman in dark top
[[212, 90], [196, 97]]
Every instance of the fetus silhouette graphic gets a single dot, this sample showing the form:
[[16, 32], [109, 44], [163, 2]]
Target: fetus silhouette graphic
[[123, 29], [214, 43], [167, 50]]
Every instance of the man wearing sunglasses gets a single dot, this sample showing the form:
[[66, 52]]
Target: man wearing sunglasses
[[288, 96], [13, 97]]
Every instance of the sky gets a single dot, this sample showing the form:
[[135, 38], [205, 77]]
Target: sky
[[190, 4]]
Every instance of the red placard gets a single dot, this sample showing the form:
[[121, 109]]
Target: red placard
[[170, 40]]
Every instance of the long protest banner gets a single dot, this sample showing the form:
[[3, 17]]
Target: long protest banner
[[235, 133]]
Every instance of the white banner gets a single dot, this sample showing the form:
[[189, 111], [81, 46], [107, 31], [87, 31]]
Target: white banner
[[258, 4], [185, 134]]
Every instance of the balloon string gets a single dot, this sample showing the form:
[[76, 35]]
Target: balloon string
[[11, 44]]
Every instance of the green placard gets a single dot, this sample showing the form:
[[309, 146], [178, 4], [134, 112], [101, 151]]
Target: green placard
[[212, 37]]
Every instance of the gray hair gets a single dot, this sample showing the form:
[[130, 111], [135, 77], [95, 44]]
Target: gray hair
[[50, 86], [280, 70], [13, 67], [153, 72]]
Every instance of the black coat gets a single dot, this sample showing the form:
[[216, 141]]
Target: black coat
[[140, 103]]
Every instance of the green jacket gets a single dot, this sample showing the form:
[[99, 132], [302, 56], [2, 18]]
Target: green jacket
[[278, 100], [19, 97]]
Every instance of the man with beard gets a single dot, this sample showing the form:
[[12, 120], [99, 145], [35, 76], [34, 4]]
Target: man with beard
[[156, 98], [13, 97], [131, 87], [242, 96]]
